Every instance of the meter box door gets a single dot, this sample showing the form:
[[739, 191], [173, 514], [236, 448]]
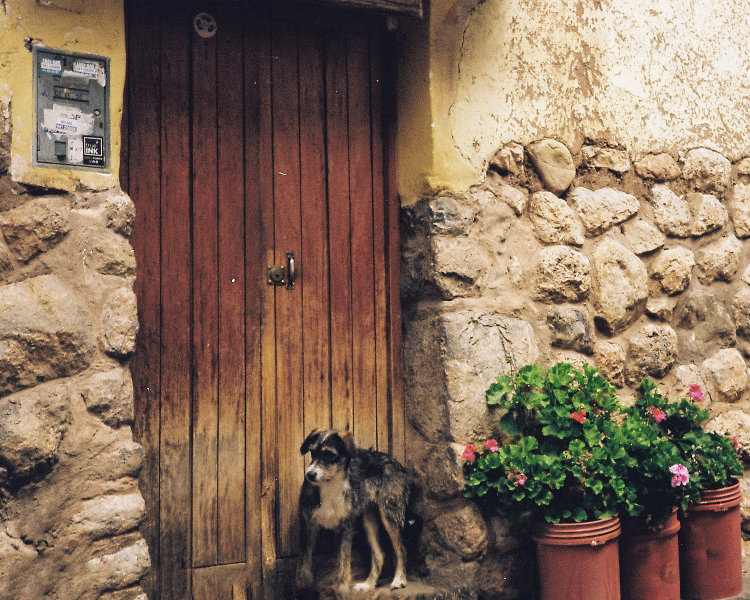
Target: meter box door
[[72, 109]]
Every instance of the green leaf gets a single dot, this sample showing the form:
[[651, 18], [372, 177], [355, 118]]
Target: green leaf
[[510, 425]]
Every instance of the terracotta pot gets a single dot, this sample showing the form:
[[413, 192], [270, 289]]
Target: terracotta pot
[[711, 546], [578, 561], [650, 560]]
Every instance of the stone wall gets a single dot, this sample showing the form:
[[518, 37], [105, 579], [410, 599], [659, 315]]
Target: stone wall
[[640, 267], [69, 498]]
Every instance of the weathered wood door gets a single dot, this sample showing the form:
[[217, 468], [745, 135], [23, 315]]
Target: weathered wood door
[[246, 138]]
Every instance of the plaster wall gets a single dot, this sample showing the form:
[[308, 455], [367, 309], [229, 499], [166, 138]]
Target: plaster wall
[[643, 75], [72, 25]]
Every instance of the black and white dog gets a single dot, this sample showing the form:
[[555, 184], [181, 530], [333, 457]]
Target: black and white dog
[[342, 483]]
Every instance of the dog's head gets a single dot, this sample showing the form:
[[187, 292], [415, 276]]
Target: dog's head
[[330, 452]]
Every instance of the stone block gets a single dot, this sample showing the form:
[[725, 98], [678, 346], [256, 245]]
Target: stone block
[[121, 569], [515, 198], [601, 209], [708, 324], [110, 395], [735, 423], [707, 171], [622, 286], [726, 375], [120, 213], [32, 425], [673, 269], [108, 253], [508, 159], [562, 275], [36, 226], [554, 164], [571, 328], [45, 332], [708, 213], [671, 212], [609, 358], [110, 515], [719, 261], [740, 205], [651, 353], [611, 159], [659, 167], [554, 221], [119, 323], [463, 531], [642, 236], [450, 213]]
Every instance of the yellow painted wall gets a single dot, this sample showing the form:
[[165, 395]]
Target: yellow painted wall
[[644, 75], [86, 26]]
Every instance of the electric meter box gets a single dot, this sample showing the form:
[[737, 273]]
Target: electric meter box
[[72, 109]]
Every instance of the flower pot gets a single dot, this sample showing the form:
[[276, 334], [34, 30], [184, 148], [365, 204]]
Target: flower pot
[[711, 546], [578, 561], [649, 560]]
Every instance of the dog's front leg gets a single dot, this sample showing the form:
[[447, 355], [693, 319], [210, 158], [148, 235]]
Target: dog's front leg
[[345, 555], [305, 579]]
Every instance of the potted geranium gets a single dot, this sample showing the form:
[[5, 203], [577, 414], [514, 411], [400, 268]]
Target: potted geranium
[[649, 551], [563, 460], [710, 546]]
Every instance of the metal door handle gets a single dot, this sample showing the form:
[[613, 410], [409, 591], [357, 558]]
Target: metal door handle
[[291, 270]]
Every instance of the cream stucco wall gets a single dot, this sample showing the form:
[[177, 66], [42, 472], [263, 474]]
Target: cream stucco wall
[[73, 25], [646, 75]]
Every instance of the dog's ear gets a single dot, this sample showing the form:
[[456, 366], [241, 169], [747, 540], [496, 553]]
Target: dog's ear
[[305, 447], [348, 439]]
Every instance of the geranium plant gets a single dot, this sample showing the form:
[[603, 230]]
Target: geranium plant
[[564, 458], [707, 460]]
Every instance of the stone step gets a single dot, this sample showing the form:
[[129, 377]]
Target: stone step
[[415, 590]]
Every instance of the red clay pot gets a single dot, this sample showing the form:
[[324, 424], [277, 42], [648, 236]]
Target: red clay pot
[[711, 546], [578, 561], [650, 560]]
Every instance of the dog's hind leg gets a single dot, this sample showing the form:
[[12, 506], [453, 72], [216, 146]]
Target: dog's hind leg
[[370, 522], [394, 532]]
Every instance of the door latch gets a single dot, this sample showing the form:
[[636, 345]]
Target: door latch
[[278, 275]]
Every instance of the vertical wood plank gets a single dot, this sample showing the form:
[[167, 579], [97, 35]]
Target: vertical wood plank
[[363, 299], [269, 406], [380, 245], [390, 157], [314, 248], [257, 127], [339, 231], [144, 187], [205, 303], [176, 295], [287, 226], [231, 269], [206, 584]]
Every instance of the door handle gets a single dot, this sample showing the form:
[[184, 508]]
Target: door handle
[[291, 269]]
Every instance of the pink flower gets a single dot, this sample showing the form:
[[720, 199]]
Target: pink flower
[[469, 452], [491, 444], [696, 393], [680, 475], [520, 478], [735, 443], [658, 414], [579, 416]]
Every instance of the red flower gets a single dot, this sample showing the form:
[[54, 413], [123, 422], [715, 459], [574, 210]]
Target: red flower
[[735, 442], [579, 416], [520, 479], [491, 444], [696, 393], [469, 452], [658, 414]]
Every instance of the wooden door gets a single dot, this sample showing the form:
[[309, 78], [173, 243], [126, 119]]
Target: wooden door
[[263, 136]]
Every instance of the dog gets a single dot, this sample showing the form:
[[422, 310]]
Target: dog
[[342, 483]]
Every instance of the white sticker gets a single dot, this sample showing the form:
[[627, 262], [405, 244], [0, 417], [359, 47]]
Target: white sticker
[[51, 65], [63, 119], [89, 68], [75, 150]]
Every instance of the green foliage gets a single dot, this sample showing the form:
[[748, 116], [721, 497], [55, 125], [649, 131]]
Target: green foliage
[[565, 458], [572, 453]]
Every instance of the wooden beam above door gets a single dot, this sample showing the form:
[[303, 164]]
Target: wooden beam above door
[[406, 7]]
